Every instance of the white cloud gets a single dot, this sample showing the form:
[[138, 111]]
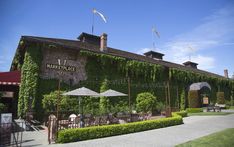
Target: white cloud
[[216, 30], [205, 62]]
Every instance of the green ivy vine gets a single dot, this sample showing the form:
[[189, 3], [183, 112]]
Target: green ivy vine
[[29, 79]]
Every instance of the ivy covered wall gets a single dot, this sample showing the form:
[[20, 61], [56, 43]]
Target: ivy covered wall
[[144, 77], [185, 78], [116, 70], [29, 79]]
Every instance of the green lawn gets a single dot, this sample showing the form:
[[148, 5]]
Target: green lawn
[[231, 107], [224, 138], [209, 113]]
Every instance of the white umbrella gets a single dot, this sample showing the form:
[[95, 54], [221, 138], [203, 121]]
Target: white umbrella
[[82, 92], [111, 93]]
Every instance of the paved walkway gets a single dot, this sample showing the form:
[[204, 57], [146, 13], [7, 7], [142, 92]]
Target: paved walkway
[[193, 127]]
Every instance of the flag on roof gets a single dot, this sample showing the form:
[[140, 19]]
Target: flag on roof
[[100, 14]]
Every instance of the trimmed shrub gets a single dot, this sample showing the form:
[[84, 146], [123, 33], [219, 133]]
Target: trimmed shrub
[[194, 110], [79, 134], [182, 113], [49, 102], [159, 107], [220, 98], [193, 99], [145, 102]]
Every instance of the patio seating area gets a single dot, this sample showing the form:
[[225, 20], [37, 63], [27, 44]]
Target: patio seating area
[[74, 121]]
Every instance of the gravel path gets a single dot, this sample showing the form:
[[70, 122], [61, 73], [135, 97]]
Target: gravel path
[[193, 127]]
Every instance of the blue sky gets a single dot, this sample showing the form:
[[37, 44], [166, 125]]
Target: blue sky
[[204, 25]]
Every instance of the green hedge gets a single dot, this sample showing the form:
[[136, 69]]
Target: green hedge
[[182, 113], [79, 134], [194, 110]]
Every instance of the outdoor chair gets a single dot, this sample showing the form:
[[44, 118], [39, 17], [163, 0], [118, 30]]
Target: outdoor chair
[[103, 120], [72, 118], [148, 115], [210, 107], [217, 108], [92, 121], [123, 118], [113, 120], [63, 124], [143, 116], [97, 120], [134, 117], [89, 120], [74, 123]]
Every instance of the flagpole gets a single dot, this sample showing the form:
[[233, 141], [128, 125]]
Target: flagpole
[[156, 33], [152, 37], [93, 23]]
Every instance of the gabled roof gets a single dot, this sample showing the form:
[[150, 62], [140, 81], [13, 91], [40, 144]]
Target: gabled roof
[[79, 45]]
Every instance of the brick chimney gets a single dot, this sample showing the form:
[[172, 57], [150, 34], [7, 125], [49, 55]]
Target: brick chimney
[[103, 42], [225, 73]]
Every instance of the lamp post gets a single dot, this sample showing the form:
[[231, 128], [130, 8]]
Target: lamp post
[[59, 81]]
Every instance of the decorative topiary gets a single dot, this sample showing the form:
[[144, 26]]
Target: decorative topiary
[[220, 98], [145, 102], [193, 99]]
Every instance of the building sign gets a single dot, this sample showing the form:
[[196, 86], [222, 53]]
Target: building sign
[[5, 129], [61, 67], [6, 118], [8, 94], [205, 100]]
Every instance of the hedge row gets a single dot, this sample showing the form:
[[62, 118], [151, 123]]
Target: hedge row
[[194, 110], [79, 134], [182, 113]]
